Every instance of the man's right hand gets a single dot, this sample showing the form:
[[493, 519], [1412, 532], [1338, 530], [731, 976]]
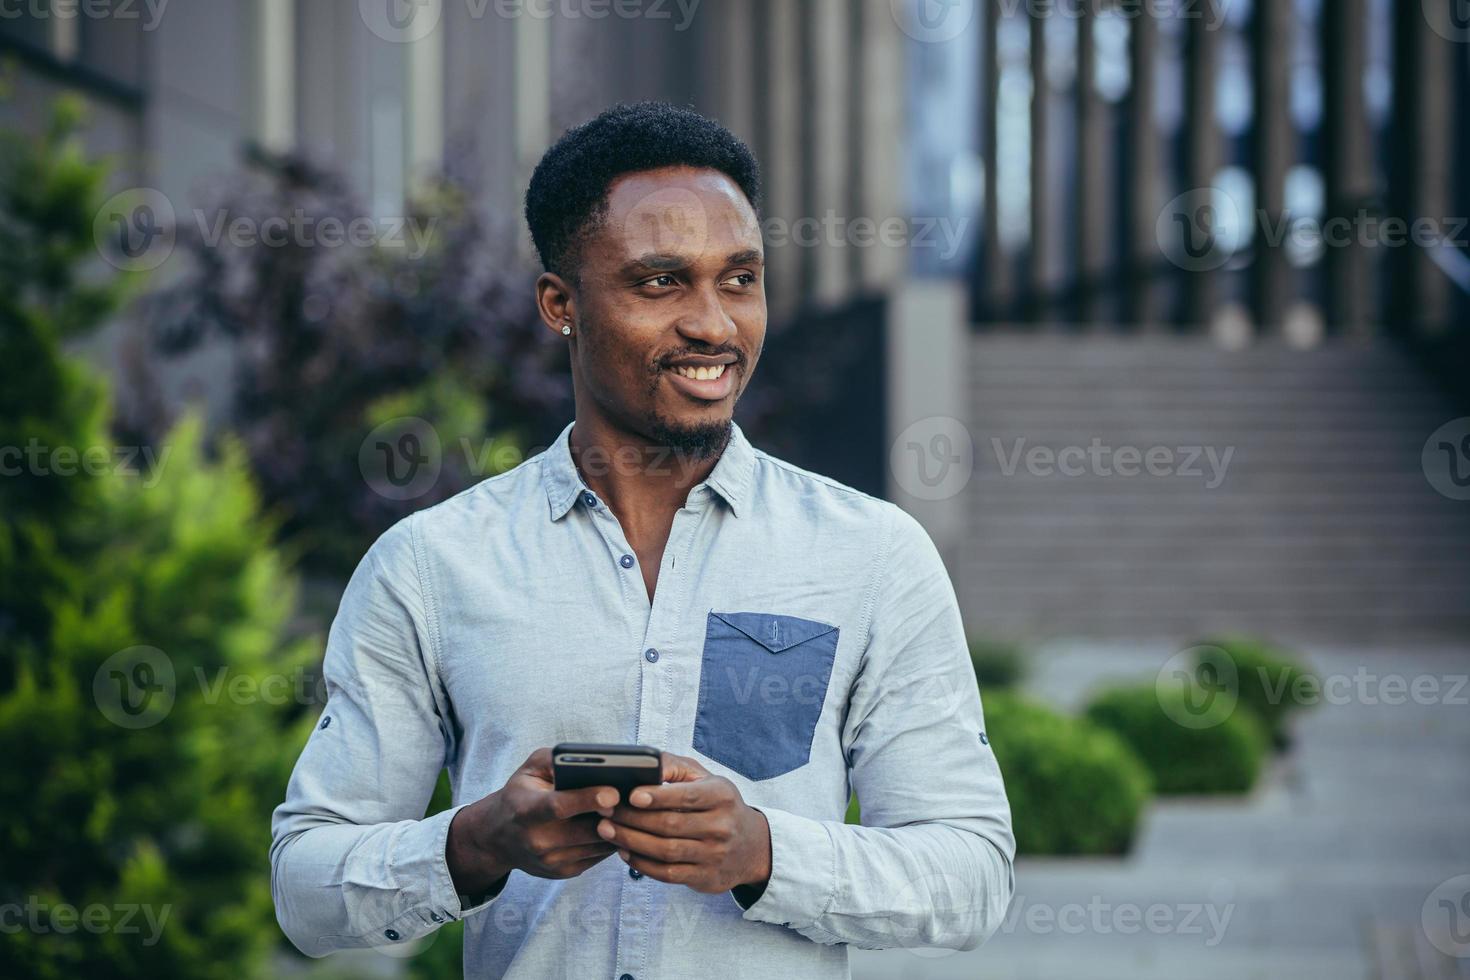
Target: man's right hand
[[527, 825]]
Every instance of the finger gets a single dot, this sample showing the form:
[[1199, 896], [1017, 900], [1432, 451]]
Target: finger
[[568, 833], [681, 768], [563, 804], [674, 850], [577, 854], [701, 794], [695, 824], [670, 873], [538, 764]]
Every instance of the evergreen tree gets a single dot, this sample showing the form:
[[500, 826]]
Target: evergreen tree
[[150, 705]]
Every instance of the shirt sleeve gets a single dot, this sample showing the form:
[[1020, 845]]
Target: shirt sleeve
[[354, 862], [932, 864]]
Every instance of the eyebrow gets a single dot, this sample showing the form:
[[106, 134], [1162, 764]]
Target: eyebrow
[[668, 262]]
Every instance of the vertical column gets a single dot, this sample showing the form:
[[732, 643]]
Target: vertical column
[[1202, 152], [1092, 173], [734, 37], [1143, 171], [783, 151], [1271, 33], [274, 83], [424, 67], [882, 128], [1348, 165], [1043, 278], [828, 123], [62, 30], [992, 290], [532, 92], [1419, 170]]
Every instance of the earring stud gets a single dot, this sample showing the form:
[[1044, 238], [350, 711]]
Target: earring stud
[[566, 329]]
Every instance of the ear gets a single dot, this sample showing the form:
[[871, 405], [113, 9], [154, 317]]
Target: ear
[[554, 301]]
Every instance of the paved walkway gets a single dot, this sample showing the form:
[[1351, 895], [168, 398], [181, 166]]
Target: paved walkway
[[1323, 872]]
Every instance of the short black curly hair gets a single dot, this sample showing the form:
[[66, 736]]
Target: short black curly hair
[[568, 190]]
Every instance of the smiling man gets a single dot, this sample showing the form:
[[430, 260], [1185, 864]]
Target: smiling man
[[650, 578]]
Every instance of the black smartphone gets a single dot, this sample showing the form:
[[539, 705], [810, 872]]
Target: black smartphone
[[575, 765]]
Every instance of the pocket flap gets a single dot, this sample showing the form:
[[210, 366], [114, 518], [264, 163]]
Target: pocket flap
[[775, 633]]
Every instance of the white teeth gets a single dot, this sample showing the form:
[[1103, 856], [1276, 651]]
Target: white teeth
[[701, 373]]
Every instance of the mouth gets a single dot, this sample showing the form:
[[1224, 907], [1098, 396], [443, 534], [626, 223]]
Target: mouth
[[704, 382]]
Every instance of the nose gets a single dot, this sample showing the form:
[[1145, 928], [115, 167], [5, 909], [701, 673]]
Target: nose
[[708, 321]]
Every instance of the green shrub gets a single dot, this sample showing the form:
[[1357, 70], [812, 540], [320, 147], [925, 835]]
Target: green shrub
[[1223, 756], [1074, 788], [998, 664], [1269, 680], [131, 603]]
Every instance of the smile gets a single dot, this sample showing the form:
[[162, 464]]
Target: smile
[[700, 373], [706, 383]]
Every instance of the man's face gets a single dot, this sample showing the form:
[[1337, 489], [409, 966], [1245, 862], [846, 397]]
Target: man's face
[[671, 306]]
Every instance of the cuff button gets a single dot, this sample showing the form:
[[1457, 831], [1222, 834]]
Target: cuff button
[[392, 934]]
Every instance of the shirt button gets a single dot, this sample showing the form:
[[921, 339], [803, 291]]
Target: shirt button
[[634, 873], [436, 916], [626, 561], [392, 934], [325, 722], [651, 655], [626, 976], [588, 499]]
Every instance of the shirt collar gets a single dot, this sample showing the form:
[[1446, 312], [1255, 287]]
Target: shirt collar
[[730, 478]]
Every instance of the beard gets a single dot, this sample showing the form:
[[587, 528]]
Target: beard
[[698, 441]]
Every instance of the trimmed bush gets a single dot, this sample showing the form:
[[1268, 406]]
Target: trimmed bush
[[1269, 680], [1074, 788], [997, 664], [1223, 756]]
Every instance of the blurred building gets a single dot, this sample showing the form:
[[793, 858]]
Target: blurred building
[[1070, 234]]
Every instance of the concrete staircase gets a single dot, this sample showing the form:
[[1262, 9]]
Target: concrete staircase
[[1322, 524]]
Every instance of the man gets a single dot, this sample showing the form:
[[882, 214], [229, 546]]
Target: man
[[651, 578]]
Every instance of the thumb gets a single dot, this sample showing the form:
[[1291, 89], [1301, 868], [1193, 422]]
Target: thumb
[[682, 769]]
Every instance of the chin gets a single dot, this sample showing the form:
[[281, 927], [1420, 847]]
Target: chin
[[697, 438]]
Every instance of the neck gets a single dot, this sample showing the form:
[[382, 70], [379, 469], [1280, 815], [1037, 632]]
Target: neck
[[642, 479]]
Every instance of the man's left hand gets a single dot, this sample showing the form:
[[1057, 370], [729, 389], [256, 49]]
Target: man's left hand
[[693, 830]]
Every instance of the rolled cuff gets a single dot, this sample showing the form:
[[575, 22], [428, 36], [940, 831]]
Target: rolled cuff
[[803, 872]]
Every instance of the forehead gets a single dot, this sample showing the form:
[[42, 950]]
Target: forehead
[[685, 211]]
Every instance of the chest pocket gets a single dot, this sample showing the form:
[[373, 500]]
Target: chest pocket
[[762, 682]]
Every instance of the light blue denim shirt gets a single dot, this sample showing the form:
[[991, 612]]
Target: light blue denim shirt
[[803, 641]]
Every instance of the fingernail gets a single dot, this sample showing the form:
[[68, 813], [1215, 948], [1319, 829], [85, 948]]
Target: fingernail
[[605, 828], [623, 855], [641, 799], [606, 799]]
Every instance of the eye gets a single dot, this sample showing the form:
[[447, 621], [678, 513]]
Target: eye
[[742, 279], [662, 281]]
